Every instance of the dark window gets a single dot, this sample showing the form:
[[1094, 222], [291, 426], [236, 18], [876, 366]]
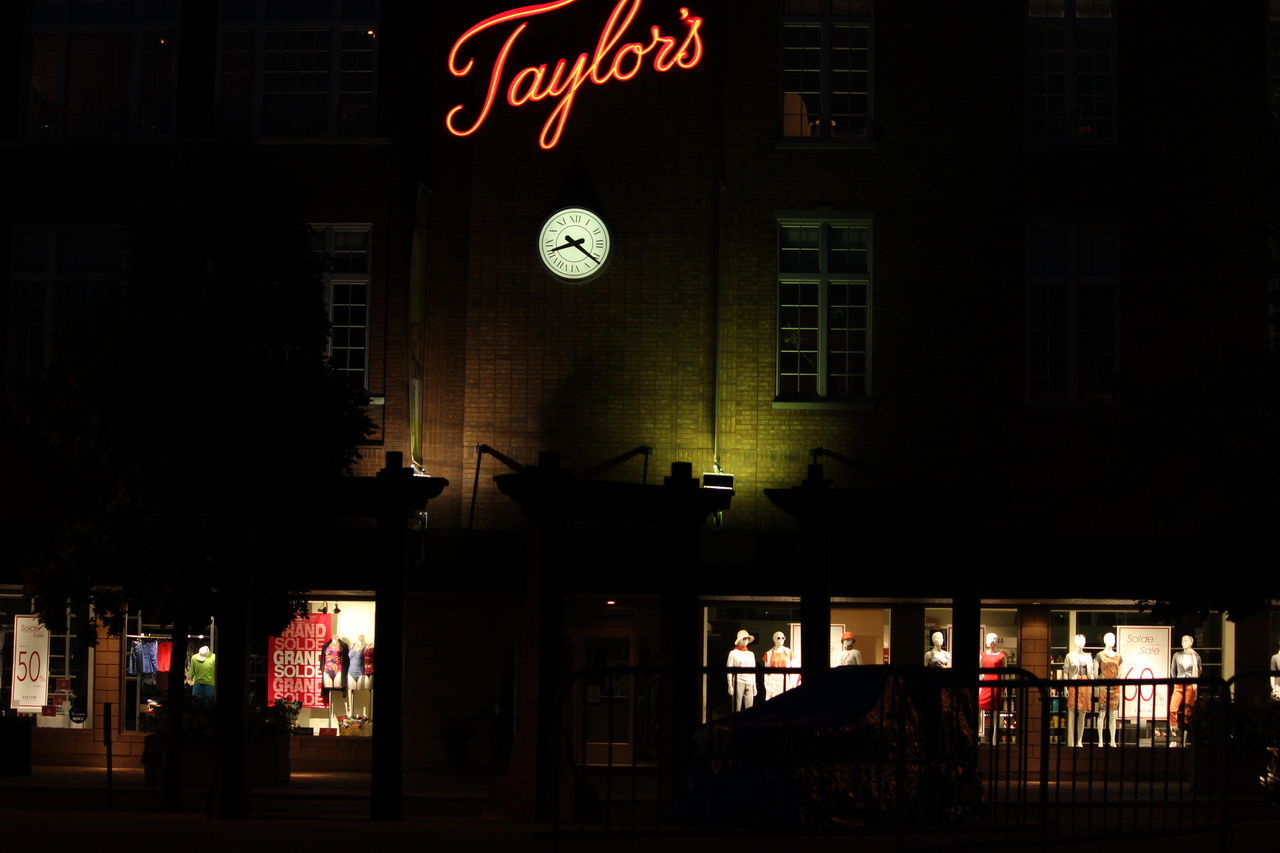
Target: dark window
[[1071, 71], [1071, 313]]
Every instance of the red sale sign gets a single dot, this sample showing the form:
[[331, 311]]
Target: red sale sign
[[293, 661]]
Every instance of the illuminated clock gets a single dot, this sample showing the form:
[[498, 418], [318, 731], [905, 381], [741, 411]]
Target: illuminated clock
[[574, 244]]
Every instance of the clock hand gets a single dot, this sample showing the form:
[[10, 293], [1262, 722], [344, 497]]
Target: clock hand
[[570, 243]]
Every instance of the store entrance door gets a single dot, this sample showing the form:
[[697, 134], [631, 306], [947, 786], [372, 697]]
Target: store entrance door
[[604, 718]]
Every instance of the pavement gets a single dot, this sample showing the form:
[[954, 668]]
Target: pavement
[[444, 812]]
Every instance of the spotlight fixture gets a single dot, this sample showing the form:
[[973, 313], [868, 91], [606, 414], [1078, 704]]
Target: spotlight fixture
[[324, 608], [336, 609]]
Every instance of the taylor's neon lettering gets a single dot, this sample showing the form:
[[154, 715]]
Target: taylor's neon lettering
[[609, 61]]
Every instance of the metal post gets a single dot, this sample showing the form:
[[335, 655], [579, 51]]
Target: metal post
[[106, 741]]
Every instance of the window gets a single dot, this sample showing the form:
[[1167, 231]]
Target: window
[[824, 304], [1071, 71], [298, 67], [826, 69], [345, 249], [62, 280], [100, 68], [1071, 313]]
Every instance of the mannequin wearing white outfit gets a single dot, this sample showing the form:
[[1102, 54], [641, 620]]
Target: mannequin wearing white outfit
[[1275, 675], [742, 685], [777, 657]]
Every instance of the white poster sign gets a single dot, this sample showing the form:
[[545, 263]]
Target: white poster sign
[[30, 664], [1145, 651]]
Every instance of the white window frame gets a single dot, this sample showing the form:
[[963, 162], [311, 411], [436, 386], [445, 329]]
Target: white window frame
[[823, 278], [333, 277]]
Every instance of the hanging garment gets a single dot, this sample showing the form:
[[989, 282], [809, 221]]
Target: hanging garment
[[164, 655], [368, 660]]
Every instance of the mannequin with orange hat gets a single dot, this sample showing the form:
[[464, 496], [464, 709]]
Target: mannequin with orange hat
[[742, 685], [850, 656]]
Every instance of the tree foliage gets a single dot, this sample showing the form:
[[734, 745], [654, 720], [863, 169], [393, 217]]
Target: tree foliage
[[196, 429]]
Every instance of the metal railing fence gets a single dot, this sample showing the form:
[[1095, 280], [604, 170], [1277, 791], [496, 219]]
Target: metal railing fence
[[908, 752]]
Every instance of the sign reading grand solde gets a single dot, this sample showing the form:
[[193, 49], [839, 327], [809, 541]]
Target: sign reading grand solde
[[294, 672], [611, 60]]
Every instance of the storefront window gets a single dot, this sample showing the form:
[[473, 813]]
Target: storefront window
[[54, 666], [1096, 624], [770, 634], [324, 661], [151, 659]]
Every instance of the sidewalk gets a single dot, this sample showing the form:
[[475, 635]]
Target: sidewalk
[[68, 806]]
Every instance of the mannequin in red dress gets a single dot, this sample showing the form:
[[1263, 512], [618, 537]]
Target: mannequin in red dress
[[989, 697]]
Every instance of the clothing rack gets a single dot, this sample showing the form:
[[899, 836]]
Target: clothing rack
[[139, 634]]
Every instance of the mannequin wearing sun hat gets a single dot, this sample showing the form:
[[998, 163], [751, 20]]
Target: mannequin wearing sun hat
[[742, 685], [850, 656], [778, 657]]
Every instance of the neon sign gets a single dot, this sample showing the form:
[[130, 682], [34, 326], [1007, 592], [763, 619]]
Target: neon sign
[[560, 83]]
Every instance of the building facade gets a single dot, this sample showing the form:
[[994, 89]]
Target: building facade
[[961, 256]]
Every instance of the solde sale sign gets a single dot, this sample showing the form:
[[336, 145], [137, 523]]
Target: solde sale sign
[[293, 661], [30, 687]]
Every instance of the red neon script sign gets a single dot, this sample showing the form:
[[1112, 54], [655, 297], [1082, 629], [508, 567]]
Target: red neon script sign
[[609, 61]]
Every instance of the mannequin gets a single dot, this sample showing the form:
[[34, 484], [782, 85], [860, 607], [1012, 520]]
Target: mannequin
[[850, 656], [356, 679], [742, 685], [1076, 666], [1275, 675], [989, 697], [777, 657], [1185, 664], [937, 657], [1107, 665], [202, 674], [333, 667]]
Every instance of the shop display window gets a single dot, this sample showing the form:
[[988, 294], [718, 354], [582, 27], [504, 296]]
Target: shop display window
[[322, 665], [151, 659], [1144, 646], [57, 670], [1000, 714], [776, 640]]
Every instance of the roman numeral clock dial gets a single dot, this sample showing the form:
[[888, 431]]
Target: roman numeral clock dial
[[574, 244]]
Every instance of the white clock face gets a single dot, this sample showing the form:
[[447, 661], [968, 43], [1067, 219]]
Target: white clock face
[[574, 244]]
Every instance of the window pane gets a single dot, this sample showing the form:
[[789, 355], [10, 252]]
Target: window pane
[[799, 248], [1045, 8], [847, 250], [295, 84], [42, 109]]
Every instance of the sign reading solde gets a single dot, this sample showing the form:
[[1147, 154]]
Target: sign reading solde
[[30, 686], [1145, 651], [293, 661]]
